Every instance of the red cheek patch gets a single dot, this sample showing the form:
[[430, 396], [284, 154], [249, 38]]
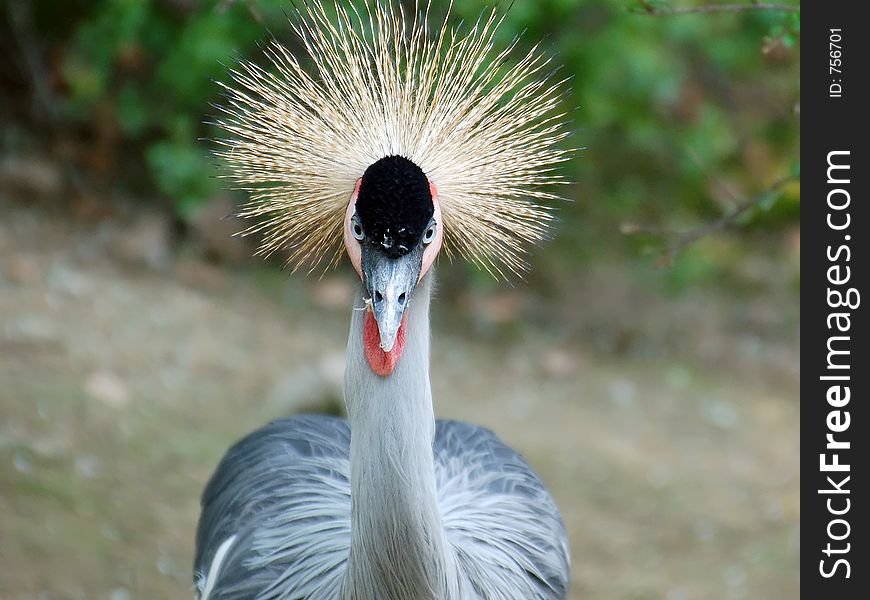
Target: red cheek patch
[[382, 363]]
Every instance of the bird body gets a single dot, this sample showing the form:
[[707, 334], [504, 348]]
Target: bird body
[[405, 507], [402, 142], [306, 502]]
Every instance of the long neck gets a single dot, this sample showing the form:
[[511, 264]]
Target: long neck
[[398, 549]]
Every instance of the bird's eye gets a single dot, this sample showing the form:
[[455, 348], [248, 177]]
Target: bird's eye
[[356, 228], [429, 234]]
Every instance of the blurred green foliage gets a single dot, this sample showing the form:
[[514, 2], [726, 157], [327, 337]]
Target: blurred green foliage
[[150, 68], [677, 117]]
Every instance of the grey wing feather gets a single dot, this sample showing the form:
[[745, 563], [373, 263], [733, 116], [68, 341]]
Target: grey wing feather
[[284, 492], [504, 525]]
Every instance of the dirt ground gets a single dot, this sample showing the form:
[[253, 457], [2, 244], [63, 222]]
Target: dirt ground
[[667, 428]]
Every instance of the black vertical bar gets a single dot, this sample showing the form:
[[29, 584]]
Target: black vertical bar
[[835, 110]]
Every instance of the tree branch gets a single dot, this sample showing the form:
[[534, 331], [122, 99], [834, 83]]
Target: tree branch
[[21, 25], [685, 238], [647, 7]]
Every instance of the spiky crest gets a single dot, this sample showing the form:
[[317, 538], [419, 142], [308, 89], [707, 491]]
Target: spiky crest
[[484, 129]]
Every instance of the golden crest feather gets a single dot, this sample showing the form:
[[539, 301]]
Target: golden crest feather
[[484, 129]]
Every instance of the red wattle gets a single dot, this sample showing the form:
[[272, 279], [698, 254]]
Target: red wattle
[[382, 363]]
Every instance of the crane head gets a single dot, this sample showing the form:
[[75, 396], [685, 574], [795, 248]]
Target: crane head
[[392, 233], [375, 83], [381, 106]]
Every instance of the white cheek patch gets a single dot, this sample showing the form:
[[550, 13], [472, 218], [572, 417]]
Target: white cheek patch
[[351, 244], [434, 246]]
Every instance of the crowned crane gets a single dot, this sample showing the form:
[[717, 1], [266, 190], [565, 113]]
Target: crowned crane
[[392, 141]]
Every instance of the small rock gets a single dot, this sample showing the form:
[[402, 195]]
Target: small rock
[[721, 414], [623, 393], [735, 576], [88, 466], [200, 274], [499, 308], [21, 462], [69, 281], [22, 269], [558, 363], [120, 594], [677, 594], [32, 329], [146, 243], [704, 529], [108, 388], [31, 176], [215, 225]]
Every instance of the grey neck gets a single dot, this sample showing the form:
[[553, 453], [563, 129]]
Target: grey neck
[[398, 550]]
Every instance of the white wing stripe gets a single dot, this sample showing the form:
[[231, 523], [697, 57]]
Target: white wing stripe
[[212, 575]]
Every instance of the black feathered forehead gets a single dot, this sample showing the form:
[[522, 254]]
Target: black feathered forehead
[[394, 205]]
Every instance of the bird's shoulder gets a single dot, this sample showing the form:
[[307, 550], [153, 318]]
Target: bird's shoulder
[[277, 455], [498, 515], [477, 458], [287, 476]]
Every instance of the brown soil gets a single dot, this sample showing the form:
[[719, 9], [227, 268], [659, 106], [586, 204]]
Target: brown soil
[[124, 375]]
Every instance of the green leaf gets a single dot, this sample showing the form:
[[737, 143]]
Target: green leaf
[[183, 172]]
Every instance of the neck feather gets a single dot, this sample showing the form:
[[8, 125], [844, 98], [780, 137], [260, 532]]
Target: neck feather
[[398, 549]]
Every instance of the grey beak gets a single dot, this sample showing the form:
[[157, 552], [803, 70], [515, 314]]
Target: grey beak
[[389, 283]]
